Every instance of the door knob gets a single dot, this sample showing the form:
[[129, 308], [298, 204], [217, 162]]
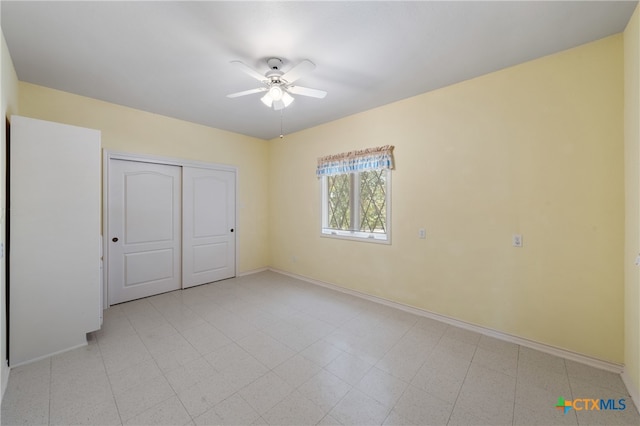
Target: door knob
[[114, 239], [231, 229]]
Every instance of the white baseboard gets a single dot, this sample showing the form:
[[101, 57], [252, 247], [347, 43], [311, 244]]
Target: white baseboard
[[632, 388], [542, 347], [4, 378], [252, 271], [40, 358]]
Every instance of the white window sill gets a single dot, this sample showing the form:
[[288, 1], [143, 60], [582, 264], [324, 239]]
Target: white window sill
[[365, 237]]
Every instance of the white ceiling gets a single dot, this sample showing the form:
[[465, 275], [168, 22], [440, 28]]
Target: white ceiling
[[173, 58]]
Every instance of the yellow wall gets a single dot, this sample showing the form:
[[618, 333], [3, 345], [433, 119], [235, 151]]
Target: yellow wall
[[632, 198], [535, 149], [9, 95], [135, 131]]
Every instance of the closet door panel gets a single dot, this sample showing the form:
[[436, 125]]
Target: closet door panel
[[144, 229], [208, 225]]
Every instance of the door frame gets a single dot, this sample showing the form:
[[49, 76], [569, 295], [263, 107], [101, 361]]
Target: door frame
[[107, 156]]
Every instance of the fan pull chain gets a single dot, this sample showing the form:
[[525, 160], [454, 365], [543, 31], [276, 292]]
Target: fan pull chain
[[281, 115]]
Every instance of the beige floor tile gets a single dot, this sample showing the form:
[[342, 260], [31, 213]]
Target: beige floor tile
[[439, 382], [231, 325], [294, 410], [87, 389], [492, 344], [463, 417], [395, 419], [235, 411], [132, 376], [321, 352], [431, 325], [80, 361], [205, 338], [596, 377], [190, 374], [182, 318], [402, 365], [382, 386], [123, 353], [325, 390], [419, 407], [27, 397], [265, 349], [462, 335], [269, 349], [349, 368], [356, 408], [169, 412], [296, 370], [266, 392], [543, 361], [89, 410], [531, 374], [501, 362], [328, 421], [205, 394], [529, 414], [140, 398], [179, 356]]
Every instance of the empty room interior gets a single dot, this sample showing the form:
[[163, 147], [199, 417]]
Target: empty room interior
[[326, 213]]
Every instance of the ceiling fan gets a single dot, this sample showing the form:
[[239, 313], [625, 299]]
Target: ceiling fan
[[278, 84]]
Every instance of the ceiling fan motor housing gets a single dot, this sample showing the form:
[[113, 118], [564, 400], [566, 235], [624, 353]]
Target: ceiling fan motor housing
[[274, 63]]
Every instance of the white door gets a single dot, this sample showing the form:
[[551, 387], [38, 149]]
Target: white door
[[144, 229], [54, 257], [208, 225]]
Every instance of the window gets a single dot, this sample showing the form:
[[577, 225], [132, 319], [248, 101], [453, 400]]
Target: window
[[356, 204], [356, 190]]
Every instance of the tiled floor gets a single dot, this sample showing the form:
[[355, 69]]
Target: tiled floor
[[268, 349]]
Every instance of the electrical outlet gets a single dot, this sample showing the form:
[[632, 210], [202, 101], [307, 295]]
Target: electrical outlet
[[422, 233], [517, 240]]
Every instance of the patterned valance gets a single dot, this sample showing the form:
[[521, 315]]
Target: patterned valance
[[356, 161]]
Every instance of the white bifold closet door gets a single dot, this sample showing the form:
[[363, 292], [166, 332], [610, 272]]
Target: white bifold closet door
[[170, 227]]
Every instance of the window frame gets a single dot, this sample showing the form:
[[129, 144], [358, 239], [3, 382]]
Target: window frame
[[371, 237]]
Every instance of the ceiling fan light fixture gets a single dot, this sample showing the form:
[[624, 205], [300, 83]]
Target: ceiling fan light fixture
[[267, 100], [277, 98], [287, 99], [276, 92]]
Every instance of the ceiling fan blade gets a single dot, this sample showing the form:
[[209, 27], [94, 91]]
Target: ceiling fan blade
[[306, 91], [298, 71], [247, 92], [248, 70]]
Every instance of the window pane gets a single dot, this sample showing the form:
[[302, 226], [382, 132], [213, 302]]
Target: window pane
[[338, 202], [373, 208]]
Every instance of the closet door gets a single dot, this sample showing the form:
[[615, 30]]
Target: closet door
[[144, 229], [55, 237], [208, 225]]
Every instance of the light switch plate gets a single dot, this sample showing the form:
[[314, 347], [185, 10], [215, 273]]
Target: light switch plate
[[517, 240]]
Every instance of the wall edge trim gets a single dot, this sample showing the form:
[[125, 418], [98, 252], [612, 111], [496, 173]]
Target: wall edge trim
[[633, 391], [5, 379], [542, 347]]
